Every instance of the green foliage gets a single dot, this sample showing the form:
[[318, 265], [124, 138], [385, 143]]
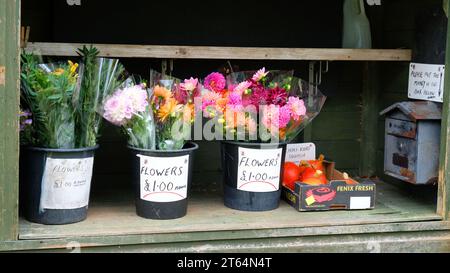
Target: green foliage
[[47, 92], [65, 106], [100, 77]]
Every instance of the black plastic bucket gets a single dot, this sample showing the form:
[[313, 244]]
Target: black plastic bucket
[[252, 175], [55, 184], [162, 181]]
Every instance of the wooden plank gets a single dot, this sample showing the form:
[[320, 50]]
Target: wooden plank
[[444, 158], [229, 53], [9, 109], [207, 213], [86, 243], [369, 120], [421, 242]]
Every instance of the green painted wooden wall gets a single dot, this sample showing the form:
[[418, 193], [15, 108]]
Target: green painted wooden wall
[[9, 109], [396, 33]]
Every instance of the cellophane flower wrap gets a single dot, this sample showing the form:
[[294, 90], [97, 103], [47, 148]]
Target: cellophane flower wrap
[[155, 116], [99, 77], [128, 107], [172, 104], [260, 106], [63, 99]]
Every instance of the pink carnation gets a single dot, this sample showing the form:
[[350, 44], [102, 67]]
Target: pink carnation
[[297, 107], [215, 82]]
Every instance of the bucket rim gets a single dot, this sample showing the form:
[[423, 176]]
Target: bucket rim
[[56, 150], [195, 147], [254, 144]]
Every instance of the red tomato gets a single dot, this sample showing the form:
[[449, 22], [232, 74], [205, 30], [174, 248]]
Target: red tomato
[[318, 164], [314, 181], [291, 174], [311, 173]]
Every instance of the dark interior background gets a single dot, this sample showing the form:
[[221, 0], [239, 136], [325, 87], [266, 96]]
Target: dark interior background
[[318, 23]]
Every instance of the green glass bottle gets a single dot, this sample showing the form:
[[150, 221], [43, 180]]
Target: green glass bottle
[[356, 27]]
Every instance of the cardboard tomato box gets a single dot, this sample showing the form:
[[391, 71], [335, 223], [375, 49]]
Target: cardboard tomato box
[[337, 195]]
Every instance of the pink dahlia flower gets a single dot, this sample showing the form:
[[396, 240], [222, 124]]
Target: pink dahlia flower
[[189, 84], [242, 87], [297, 107], [215, 82], [260, 74]]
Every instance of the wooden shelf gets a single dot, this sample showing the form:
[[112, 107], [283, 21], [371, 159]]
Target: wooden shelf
[[114, 215], [229, 53]]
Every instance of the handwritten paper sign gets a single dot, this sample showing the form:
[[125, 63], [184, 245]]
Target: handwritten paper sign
[[259, 170], [164, 179], [66, 183], [299, 152], [426, 82]]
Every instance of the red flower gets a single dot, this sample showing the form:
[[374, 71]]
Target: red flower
[[278, 96]]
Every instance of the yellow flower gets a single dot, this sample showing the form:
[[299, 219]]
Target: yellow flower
[[73, 67], [170, 108]]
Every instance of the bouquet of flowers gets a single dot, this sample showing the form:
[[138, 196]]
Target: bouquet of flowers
[[260, 106], [63, 98], [152, 115], [47, 91], [99, 78]]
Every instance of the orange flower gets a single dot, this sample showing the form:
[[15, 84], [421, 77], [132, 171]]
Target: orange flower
[[58, 72], [221, 104], [169, 108], [282, 133], [188, 113], [162, 92]]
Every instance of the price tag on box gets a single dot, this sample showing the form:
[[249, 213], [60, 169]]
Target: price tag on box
[[299, 152]]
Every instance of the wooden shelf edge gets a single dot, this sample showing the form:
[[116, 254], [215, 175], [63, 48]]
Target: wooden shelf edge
[[229, 53], [174, 238]]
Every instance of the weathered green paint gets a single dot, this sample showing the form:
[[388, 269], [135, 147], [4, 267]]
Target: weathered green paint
[[429, 235], [422, 242], [9, 109], [444, 169], [369, 119], [174, 240]]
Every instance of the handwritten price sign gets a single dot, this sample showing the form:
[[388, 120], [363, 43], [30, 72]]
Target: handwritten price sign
[[259, 170], [301, 151], [164, 179], [66, 183]]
